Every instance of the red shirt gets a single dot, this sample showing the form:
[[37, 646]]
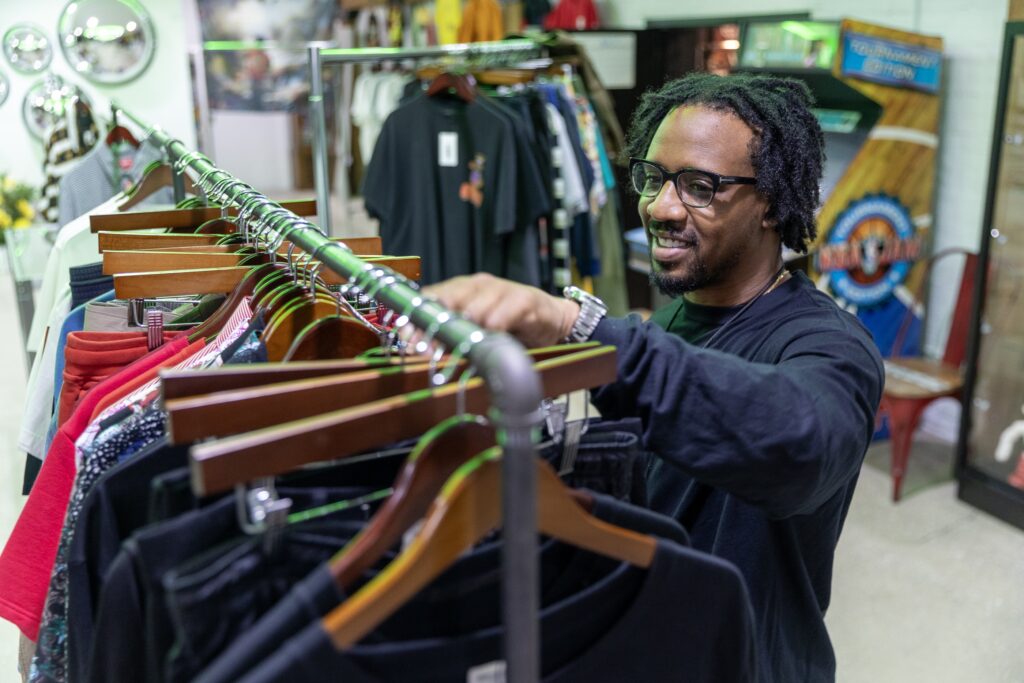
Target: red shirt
[[91, 357], [572, 15], [27, 559]]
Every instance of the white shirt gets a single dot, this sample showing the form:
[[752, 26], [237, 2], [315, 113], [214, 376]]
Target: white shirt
[[76, 245], [35, 420]]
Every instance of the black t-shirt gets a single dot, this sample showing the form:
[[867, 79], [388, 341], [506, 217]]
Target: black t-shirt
[[759, 443], [442, 181], [472, 583], [686, 618], [135, 629]]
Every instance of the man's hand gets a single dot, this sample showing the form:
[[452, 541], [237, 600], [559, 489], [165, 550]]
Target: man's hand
[[529, 314]]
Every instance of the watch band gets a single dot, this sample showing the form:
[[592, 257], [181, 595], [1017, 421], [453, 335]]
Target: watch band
[[592, 310]]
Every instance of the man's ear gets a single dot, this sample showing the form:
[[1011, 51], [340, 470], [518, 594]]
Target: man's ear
[[768, 220]]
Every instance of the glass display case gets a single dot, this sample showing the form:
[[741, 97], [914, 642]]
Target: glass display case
[[990, 458]]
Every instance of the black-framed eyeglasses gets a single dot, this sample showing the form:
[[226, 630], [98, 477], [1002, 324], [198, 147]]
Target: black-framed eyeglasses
[[695, 187]]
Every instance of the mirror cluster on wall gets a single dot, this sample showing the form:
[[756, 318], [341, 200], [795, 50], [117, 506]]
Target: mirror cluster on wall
[[108, 42]]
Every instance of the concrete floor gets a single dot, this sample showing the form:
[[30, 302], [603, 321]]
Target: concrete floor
[[929, 589]]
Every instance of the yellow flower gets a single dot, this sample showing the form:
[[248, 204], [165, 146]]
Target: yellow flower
[[5, 219], [9, 183], [25, 209], [21, 223]]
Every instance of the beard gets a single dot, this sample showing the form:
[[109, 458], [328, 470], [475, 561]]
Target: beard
[[700, 275], [675, 286]]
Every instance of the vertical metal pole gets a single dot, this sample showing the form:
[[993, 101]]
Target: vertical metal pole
[[318, 120], [178, 185], [520, 573]]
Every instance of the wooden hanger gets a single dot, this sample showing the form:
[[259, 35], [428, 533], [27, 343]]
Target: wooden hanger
[[461, 85], [467, 510], [123, 241], [340, 336], [360, 246], [215, 323], [333, 336], [240, 404], [181, 218], [219, 465], [220, 280], [504, 76], [436, 457], [154, 180], [176, 384]]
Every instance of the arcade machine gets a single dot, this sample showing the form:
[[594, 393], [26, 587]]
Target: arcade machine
[[878, 100]]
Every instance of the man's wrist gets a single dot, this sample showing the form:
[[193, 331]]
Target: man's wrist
[[590, 312], [570, 313]]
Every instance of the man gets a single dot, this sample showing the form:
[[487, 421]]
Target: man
[[757, 393]]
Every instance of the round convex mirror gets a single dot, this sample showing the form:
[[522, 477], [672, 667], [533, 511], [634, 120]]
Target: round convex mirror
[[27, 48], [47, 100], [107, 41], [5, 87]]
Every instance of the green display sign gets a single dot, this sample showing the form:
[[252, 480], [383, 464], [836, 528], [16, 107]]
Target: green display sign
[[790, 44]]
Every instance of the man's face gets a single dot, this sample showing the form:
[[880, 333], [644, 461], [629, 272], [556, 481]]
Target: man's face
[[695, 248]]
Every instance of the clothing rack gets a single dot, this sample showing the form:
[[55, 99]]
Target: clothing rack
[[499, 359], [320, 57]]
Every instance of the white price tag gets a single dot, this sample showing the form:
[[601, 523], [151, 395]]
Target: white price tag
[[448, 149]]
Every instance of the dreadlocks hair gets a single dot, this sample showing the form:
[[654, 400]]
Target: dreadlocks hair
[[787, 151]]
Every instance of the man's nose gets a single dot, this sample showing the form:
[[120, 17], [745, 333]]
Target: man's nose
[[666, 205]]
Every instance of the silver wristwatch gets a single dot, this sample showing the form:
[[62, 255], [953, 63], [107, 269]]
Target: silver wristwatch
[[592, 310]]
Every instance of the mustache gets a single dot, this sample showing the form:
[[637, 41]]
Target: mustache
[[676, 232]]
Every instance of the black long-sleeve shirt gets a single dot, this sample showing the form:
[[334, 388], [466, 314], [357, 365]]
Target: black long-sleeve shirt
[[759, 440]]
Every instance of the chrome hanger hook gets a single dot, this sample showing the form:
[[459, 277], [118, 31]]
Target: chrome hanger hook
[[460, 396]]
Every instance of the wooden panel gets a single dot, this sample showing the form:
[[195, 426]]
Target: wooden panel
[[903, 167]]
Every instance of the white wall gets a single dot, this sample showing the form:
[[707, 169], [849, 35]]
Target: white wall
[[161, 95], [972, 32]]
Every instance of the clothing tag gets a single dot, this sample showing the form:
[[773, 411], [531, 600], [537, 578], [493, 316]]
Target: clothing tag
[[448, 149], [573, 434], [491, 672]]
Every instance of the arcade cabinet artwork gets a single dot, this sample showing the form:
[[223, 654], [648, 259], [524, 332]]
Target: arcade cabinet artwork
[[877, 92]]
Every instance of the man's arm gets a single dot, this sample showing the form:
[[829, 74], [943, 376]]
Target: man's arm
[[783, 437]]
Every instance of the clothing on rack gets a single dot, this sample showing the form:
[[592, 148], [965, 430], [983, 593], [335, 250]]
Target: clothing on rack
[[535, 11], [481, 22], [448, 17], [100, 175], [375, 95], [529, 214], [71, 136], [572, 15]]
